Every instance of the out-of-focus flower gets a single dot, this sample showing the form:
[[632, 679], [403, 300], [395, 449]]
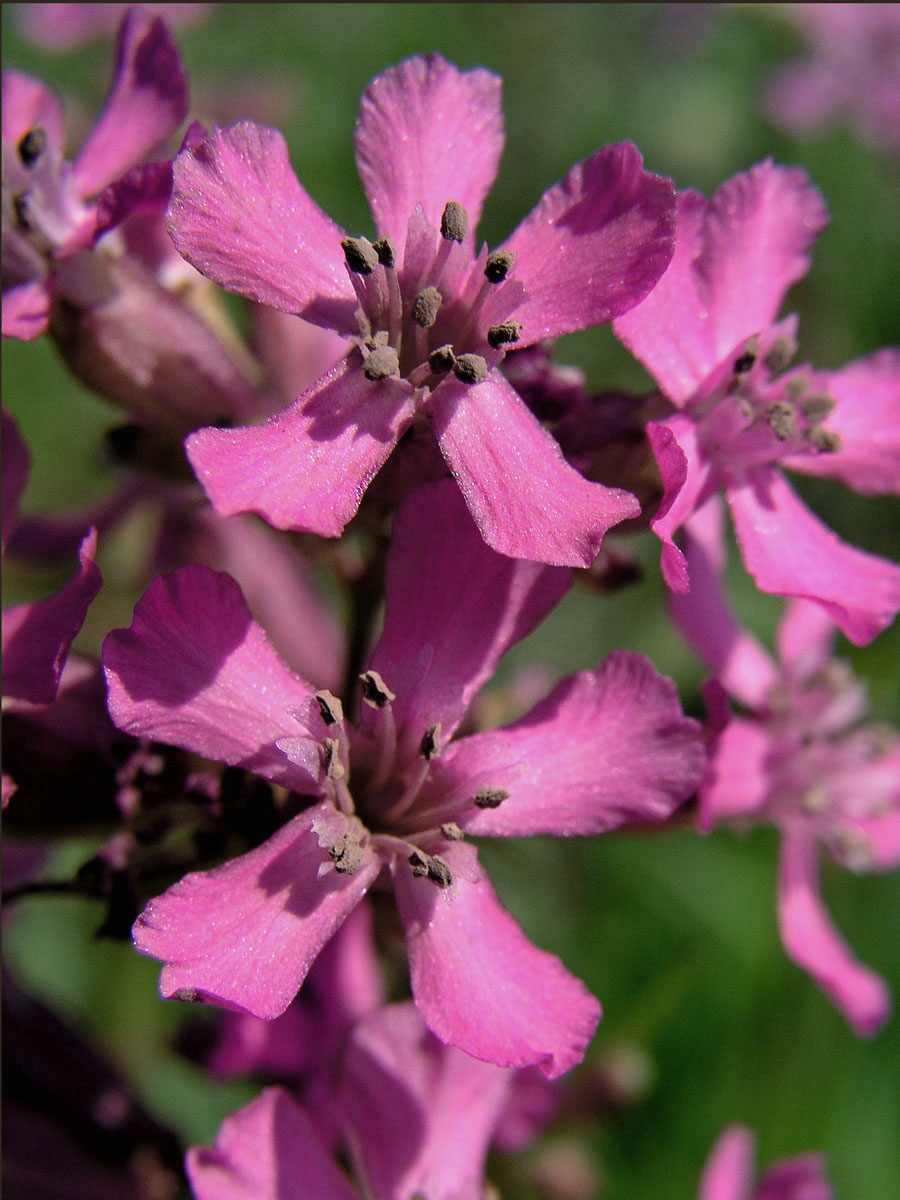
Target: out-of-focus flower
[[64, 27], [798, 759], [429, 319], [707, 332], [852, 73], [394, 791], [728, 1174]]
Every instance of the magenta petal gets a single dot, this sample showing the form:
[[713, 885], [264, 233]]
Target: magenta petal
[[420, 1114], [37, 637], [813, 943], [241, 218], [144, 189], [790, 552], [428, 133], [595, 244], [526, 499], [26, 310], [244, 935], [728, 1173], [800, 1178], [196, 671], [738, 778], [146, 103], [481, 985], [267, 1150], [452, 608], [605, 747], [28, 102], [685, 475], [804, 638], [307, 467]]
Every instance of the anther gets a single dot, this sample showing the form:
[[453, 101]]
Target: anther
[[442, 360], [361, 255], [454, 221], [439, 872], [32, 145], [452, 831], [817, 407], [330, 707], [499, 335], [419, 864], [745, 361], [382, 363], [187, 995], [779, 354], [470, 368], [334, 768], [425, 307], [782, 419], [346, 854], [498, 265], [795, 387], [21, 207], [375, 691], [490, 797], [824, 440], [430, 745], [384, 248]]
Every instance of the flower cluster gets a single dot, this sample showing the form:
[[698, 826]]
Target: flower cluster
[[291, 780]]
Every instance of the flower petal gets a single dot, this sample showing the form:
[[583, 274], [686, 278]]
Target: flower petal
[[267, 1150], [526, 499], [686, 477], [196, 671], [594, 245], [241, 218], [428, 133], [789, 552], [813, 943], [453, 607], [605, 747], [307, 467], [26, 310], [800, 1178], [147, 101], [728, 1173], [480, 984], [244, 935], [28, 102], [739, 779]]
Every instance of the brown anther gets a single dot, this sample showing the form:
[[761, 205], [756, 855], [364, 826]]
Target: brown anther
[[452, 831], [430, 745], [419, 863], [375, 691], [745, 360], [824, 440], [454, 221], [498, 266], [21, 207], [796, 386], [361, 255], [499, 335], [782, 419], [439, 872], [425, 307], [442, 360], [470, 368], [779, 354], [490, 797], [384, 248], [346, 854], [187, 995], [817, 406], [330, 707], [31, 147], [331, 759], [382, 363]]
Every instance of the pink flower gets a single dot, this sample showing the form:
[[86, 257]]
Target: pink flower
[[394, 793], [708, 334], [799, 760], [50, 210], [728, 1174], [63, 27], [429, 319]]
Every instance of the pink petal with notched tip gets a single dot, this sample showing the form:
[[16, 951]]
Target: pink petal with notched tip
[[605, 747], [866, 418], [244, 935], [36, 637], [26, 310], [308, 466], [594, 245], [479, 983], [420, 1114], [453, 607], [526, 499], [240, 217], [728, 1173], [812, 942], [738, 778], [428, 133], [267, 1150], [789, 552], [147, 102], [196, 671], [686, 477]]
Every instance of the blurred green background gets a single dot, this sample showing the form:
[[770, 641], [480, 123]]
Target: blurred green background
[[675, 933]]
